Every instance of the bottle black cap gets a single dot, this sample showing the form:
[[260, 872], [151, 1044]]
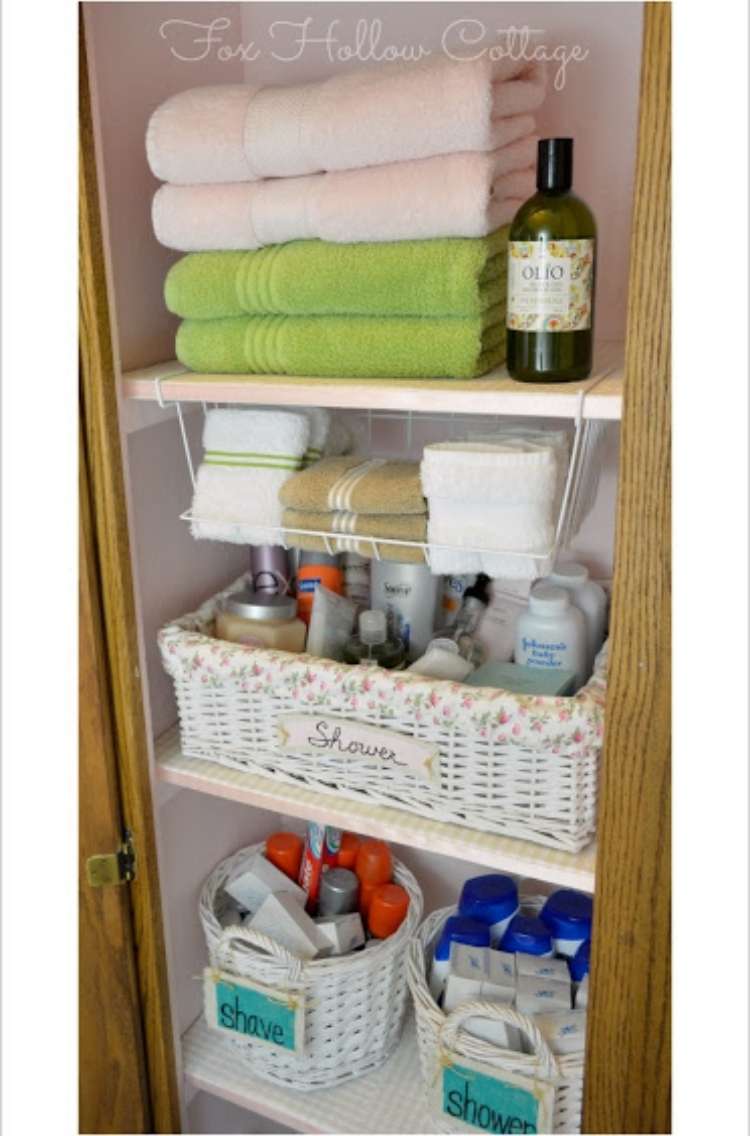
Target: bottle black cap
[[554, 169], [480, 589]]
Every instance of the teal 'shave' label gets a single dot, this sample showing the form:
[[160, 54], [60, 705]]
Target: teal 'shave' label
[[484, 1102], [238, 1006]]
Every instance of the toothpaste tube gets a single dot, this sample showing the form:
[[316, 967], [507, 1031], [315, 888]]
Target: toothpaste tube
[[321, 853]]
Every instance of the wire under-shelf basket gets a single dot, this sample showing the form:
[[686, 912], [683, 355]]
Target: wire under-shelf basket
[[579, 491]]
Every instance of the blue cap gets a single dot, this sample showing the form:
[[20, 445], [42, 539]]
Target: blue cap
[[527, 935], [489, 898], [568, 914], [457, 929], [579, 964]]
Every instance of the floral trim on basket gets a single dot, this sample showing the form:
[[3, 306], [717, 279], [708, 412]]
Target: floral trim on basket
[[573, 725]]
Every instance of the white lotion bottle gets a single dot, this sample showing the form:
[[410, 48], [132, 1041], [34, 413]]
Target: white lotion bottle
[[588, 597], [551, 633]]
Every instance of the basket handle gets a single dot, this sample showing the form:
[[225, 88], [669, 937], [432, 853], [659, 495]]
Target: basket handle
[[498, 1011], [248, 937]]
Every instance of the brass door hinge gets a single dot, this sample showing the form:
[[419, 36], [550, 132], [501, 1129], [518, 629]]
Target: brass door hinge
[[112, 868]]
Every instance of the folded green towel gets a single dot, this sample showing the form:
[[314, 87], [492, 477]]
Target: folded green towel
[[399, 347], [451, 277]]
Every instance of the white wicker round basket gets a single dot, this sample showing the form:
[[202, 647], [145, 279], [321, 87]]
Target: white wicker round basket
[[440, 1035], [509, 764], [355, 1004]]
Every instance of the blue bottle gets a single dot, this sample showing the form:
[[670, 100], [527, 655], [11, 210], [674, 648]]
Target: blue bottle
[[569, 915], [527, 935], [579, 964], [456, 929], [492, 899]]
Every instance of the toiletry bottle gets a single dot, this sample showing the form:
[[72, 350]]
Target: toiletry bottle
[[316, 568], [492, 899], [456, 929], [551, 633], [452, 592], [407, 593], [580, 962], [339, 892], [527, 935], [569, 915], [590, 598], [373, 868], [372, 647], [551, 247], [388, 909], [463, 632], [270, 569], [348, 850], [258, 619], [284, 850]]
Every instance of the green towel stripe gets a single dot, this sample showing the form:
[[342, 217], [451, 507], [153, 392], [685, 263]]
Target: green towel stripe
[[252, 454], [247, 464]]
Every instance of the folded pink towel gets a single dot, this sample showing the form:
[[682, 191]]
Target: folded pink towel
[[364, 118], [454, 195]]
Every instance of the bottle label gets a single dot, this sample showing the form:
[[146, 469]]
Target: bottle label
[[550, 285]]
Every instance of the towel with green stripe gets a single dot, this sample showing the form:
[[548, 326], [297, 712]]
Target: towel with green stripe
[[450, 277], [248, 455], [396, 347]]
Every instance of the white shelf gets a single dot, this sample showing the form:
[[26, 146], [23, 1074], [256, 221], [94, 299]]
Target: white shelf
[[503, 853], [495, 393], [386, 1101]]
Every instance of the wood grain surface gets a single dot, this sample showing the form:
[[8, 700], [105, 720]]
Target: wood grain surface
[[110, 536], [629, 1057], [113, 1090]]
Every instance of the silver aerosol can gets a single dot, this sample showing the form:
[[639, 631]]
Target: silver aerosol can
[[407, 593]]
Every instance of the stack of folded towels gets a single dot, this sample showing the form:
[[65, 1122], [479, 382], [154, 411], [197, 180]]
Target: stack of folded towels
[[363, 219], [352, 498], [248, 457], [499, 493]]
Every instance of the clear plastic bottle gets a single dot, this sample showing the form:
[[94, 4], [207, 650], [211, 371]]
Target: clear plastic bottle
[[372, 647], [463, 631]]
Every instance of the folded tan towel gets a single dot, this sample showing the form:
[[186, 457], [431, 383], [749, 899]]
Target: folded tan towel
[[350, 526], [353, 485]]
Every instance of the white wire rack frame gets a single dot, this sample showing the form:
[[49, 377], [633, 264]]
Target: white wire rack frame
[[578, 491]]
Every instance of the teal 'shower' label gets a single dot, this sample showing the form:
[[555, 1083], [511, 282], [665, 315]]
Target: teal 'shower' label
[[238, 1006], [487, 1101]]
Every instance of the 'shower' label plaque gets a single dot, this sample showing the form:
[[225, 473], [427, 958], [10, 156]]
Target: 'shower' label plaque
[[353, 741]]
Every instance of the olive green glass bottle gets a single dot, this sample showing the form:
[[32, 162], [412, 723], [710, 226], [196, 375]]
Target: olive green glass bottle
[[551, 249]]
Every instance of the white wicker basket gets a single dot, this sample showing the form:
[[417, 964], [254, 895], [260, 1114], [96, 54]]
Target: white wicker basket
[[355, 1004], [440, 1035], [509, 764]]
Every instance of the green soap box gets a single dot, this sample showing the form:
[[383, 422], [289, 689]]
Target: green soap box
[[523, 680]]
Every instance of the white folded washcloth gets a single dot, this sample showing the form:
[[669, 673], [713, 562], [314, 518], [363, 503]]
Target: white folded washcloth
[[500, 494], [452, 195], [511, 471], [366, 117], [248, 455]]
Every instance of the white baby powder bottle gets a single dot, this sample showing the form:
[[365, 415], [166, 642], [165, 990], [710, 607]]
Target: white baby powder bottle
[[551, 633], [588, 597]]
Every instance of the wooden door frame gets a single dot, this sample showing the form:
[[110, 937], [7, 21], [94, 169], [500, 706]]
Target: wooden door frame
[[111, 552], [628, 1055], [628, 1066]]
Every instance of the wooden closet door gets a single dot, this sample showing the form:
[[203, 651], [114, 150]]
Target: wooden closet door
[[628, 1064], [113, 1093], [140, 992]]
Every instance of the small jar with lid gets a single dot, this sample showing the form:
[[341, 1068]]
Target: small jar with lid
[[258, 619]]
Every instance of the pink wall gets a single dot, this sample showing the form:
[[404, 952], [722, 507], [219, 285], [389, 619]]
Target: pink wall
[[133, 72]]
